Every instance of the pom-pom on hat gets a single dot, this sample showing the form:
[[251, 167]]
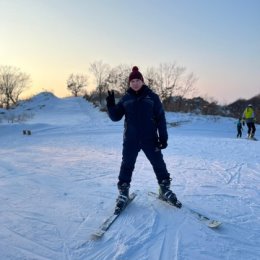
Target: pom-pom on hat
[[135, 74]]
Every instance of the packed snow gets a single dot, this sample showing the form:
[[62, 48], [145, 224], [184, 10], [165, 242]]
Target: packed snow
[[58, 185]]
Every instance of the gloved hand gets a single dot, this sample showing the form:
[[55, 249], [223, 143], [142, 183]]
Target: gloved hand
[[110, 98], [243, 123], [162, 144]]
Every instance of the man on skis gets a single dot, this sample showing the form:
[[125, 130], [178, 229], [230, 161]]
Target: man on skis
[[250, 119], [144, 129]]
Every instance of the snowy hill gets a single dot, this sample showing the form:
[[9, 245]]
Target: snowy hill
[[58, 184]]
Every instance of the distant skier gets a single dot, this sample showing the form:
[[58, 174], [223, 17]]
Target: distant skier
[[250, 119], [239, 128], [144, 129]]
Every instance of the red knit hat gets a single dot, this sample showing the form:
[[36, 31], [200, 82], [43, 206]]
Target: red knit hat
[[135, 74]]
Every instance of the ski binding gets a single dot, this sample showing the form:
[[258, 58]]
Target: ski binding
[[110, 220]]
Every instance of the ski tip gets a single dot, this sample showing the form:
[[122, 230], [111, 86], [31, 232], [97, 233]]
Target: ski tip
[[214, 224], [96, 236], [133, 195]]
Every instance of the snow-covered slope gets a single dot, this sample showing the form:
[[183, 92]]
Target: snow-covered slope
[[58, 184]]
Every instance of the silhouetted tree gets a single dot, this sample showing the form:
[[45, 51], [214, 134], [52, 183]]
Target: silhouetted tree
[[12, 83], [100, 71], [170, 80], [77, 84], [118, 78]]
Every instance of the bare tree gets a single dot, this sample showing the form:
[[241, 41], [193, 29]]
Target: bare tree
[[12, 83], [151, 78], [100, 71], [77, 84], [169, 79], [118, 78], [187, 87]]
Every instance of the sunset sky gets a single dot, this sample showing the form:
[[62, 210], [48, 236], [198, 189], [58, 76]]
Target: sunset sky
[[217, 40]]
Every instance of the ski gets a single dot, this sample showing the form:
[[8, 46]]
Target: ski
[[201, 217], [252, 139], [110, 220]]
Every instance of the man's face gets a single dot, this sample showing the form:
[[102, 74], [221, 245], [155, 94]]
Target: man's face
[[136, 84]]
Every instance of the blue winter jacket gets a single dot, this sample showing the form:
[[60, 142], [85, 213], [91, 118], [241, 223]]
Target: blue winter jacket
[[144, 116]]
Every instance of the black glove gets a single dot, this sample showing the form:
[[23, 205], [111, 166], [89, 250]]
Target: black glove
[[243, 123], [162, 144], [110, 98]]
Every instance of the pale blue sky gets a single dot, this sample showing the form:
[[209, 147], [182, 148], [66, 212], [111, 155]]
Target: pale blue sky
[[217, 40]]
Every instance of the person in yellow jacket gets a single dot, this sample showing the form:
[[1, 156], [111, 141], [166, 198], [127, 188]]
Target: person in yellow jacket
[[249, 118]]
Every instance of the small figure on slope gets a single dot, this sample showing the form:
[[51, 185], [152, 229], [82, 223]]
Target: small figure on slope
[[239, 128], [250, 119], [145, 129]]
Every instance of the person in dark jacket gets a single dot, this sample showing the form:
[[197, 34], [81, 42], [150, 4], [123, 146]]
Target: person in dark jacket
[[144, 129], [239, 127]]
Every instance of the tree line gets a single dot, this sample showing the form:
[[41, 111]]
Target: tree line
[[167, 80]]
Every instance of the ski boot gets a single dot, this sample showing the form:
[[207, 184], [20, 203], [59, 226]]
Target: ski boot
[[250, 136], [167, 195], [123, 197], [253, 136]]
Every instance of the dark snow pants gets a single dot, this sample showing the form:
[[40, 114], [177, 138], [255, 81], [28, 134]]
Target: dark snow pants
[[251, 128], [239, 132], [153, 154]]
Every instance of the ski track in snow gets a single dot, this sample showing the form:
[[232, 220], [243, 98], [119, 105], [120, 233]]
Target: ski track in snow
[[59, 184]]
